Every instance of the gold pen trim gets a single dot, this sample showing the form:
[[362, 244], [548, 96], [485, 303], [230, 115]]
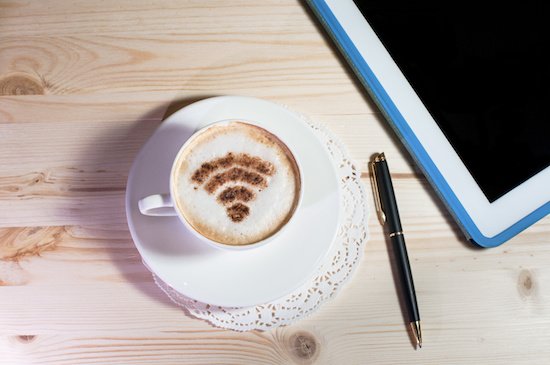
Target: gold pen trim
[[415, 326], [380, 157], [377, 204], [393, 234]]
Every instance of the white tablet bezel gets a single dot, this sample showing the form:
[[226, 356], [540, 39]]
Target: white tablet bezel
[[489, 218]]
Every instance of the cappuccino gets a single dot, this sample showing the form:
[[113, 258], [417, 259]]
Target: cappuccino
[[236, 183]]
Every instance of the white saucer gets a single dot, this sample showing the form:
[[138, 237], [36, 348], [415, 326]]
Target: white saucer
[[235, 278]]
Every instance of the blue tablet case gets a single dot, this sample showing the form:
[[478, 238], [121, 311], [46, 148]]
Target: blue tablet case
[[406, 135]]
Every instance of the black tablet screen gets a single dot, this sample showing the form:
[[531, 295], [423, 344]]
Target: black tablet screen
[[483, 74]]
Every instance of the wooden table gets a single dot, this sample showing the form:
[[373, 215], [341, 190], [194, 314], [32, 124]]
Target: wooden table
[[83, 84]]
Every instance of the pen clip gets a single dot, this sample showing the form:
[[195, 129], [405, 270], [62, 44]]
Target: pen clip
[[381, 215]]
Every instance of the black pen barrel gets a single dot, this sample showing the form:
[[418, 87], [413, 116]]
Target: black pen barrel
[[389, 214], [405, 276], [387, 197], [388, 204]]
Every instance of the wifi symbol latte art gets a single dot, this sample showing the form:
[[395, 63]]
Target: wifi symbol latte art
[[237, 168]]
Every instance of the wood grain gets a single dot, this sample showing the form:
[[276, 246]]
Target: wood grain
[[83, 85], [167, 47]]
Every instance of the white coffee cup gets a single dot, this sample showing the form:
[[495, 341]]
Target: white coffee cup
[[164, 204]]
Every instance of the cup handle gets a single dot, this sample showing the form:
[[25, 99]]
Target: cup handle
[[157, 205]]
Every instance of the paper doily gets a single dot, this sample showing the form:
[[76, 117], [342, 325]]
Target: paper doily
[[338, 267]]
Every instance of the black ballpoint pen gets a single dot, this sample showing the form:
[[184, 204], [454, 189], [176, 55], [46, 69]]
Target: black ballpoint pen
[[388, 214]]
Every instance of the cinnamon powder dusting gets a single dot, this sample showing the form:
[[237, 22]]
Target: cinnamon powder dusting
[[235, 174], [238, 212], [232, 159], [230, 194], [238, 167]]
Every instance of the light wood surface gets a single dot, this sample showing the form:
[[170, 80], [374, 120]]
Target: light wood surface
[[83, 84]]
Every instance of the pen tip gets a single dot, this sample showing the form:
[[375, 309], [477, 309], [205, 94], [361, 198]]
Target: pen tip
[[417, 333]]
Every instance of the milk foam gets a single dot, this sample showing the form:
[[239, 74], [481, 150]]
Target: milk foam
[[271, 206]]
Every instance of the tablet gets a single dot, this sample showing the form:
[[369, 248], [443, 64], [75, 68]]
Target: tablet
[[466, 90]]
